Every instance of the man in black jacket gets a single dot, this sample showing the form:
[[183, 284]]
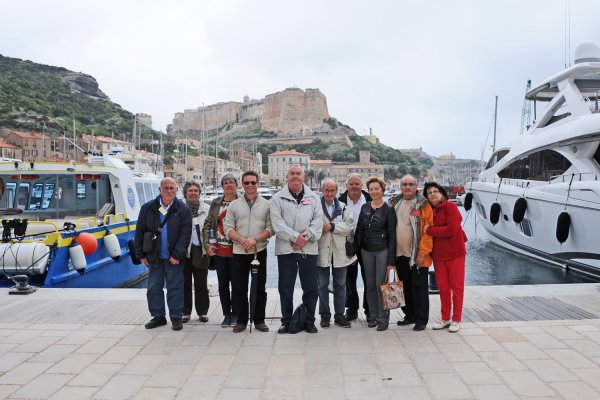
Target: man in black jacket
[[165, 223], [354, 197]]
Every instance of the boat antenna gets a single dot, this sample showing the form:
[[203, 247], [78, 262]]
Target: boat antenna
[[567, 33]]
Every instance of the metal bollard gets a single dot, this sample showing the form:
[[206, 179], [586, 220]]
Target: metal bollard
[[433, 289]]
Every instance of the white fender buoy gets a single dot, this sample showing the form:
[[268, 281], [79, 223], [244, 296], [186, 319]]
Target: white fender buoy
[[113, 248], [562, 227], [78, 258], [519, 210], [495, 213], [468, 201]]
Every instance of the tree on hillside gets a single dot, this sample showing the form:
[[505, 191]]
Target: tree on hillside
[[310, 174]]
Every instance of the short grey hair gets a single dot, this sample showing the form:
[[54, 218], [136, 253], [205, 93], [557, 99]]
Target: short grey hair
[[409, 176], [188, 185], [352, 175], [229, 177], [329, 180]]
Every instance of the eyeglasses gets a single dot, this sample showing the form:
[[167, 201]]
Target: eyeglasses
[[253, 183], [169, 187], [408, 184], [432, 192]]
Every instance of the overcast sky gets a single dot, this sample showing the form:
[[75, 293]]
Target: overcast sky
[[419, 73]]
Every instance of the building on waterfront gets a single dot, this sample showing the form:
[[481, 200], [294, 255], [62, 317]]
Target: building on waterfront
[[8, 150], [280, 161], [34, 146], [451, 171], [207, 170]]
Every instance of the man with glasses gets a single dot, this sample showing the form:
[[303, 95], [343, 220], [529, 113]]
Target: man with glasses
[[413, 251], [162, 236], [297, 219], [248, 225]]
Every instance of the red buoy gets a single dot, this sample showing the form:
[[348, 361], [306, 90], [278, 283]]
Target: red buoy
[[88, 242]]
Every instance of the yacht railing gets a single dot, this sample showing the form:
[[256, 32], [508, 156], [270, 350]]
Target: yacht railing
[[581, 176]]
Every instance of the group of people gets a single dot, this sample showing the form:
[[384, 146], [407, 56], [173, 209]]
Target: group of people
[[317, 237]]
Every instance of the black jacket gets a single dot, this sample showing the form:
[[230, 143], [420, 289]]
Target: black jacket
[[377, 230], [179, 229], [344, 197]]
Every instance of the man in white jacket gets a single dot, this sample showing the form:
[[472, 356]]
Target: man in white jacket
[[337, 226], [297, 219]]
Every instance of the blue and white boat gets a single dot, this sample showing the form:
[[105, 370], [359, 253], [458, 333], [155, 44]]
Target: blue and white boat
[[47, 207]]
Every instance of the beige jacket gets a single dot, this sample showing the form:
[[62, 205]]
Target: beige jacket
[[248, 222], [332, 245]]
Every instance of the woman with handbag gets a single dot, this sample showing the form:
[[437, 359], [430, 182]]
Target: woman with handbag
[[449, 254], [375, 241], [220, 247], [195, 269]]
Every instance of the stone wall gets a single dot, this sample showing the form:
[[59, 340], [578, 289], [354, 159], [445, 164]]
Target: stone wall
[[287, 113]]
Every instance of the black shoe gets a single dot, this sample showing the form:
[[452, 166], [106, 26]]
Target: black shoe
[[203, 318], [405, 321], [419, 327], [343, 322], [382, 327], [350, 316], [325, 323], [226, 321], [233, 320], [311, 328], [156, 322], [177, 325], [368, 318], [282, 329], [373, 323]]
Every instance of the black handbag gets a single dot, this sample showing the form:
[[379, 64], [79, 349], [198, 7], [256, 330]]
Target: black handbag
[[350, 246]]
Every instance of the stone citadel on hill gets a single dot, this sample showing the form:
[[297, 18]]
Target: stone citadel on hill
[[291, 112]]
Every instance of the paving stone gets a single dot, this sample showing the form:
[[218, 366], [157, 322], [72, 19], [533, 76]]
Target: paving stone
[[155, 393], [550, 370], [143, 364], [208, 386], [213, 365], [36, 345], [563, 332], [258, 355], [458, 352], [138, 338], [23, 337], [399, 375], [447, 386], [237, 394], [224, 345], [329, 393], [525, 383], [364, 387], [23, 373], [432, 364], [323, 376], [7, 347], [170, 375], [95, 375], [283, 387], [482, 343], [42, 386], [54, 353], [589, 376], [570, 358], [186, 355], [358, 364], [502, 335], [471, 332], [476, 373], [502, 361], [286, 365], [97, 345], [7, 390], [121, 387], [524, 351], [12, 360], [78, 337], [493, 392], [587, 347], [544, 341], [575, 390], [245, 376], [119, 354], [73, 364]]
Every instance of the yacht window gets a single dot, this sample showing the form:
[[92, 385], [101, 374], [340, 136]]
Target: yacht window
[[148, 190], [526, 227], [9, 196], [48, 194], [23, 195], [597, 155], [481, 211], [155, 190], [497, 156], [139, 187], [539, 166], [36, 197]]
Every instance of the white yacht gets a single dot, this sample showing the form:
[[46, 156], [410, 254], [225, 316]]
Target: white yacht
[[540, 196]]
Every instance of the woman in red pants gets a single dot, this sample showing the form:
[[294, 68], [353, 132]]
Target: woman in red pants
[[448, 255]]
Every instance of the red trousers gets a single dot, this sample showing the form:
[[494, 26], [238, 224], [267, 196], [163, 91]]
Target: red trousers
[[450, 277]]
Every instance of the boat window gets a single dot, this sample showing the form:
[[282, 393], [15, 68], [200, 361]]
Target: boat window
[[140, 191], [155, 190], [48, 194], [36, 197], [539, 166], [526, 227], [481, 209], [597, 155], [148, 190], [23, 195], [9, 195], [497, 156], [80, 190]]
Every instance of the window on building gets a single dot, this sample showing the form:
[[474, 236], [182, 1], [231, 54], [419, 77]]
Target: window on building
[[538, 166]]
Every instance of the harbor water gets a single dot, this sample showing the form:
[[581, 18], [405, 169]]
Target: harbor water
[[487, 263]]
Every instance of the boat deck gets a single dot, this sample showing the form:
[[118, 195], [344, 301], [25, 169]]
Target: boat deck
[[514, 342]]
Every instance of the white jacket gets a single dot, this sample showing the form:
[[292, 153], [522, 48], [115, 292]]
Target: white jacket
[[199, 221], [290, 219], [332, 245]]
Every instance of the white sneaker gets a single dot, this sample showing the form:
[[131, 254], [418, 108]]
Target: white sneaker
[[441, 325], [454, 327]]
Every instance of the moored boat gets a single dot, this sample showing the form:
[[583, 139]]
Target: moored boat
[[540, 196], [49, 208]]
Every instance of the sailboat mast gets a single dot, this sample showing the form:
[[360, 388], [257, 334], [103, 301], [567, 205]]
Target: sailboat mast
[[495, 124]]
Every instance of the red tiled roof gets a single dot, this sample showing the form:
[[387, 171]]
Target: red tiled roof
[[30, 135], [287, 153], [5, 145]]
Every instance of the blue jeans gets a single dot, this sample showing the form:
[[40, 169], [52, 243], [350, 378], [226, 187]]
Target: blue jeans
[[339, 291], [224, 267], [289, 266], [159, 273]]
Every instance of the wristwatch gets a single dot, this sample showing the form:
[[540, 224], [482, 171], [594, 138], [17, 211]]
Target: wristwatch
[[256, 239]]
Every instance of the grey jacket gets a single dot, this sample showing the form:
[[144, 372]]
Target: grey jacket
[[291, 219], [248, 222], [332, 245]]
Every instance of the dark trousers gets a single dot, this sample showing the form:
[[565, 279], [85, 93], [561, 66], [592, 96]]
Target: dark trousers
[[197, 278], [224, 267], [352, 300], [290, 266], [416, 290], [160, 273], [239, 286]]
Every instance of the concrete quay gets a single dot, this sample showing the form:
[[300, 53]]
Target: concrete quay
[[516, 342]]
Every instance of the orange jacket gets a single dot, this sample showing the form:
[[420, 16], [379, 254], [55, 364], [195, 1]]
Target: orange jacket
[[426, 241]]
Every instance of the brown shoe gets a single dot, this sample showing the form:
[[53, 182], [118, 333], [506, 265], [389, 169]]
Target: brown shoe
[[239, 328], [262, 327]]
